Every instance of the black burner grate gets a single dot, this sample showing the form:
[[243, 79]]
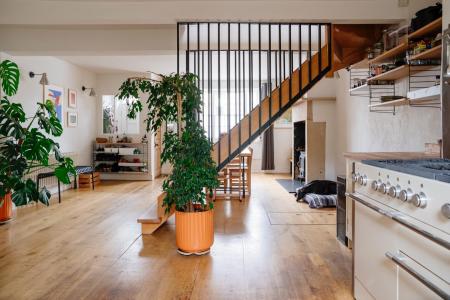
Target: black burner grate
[[437, 169]]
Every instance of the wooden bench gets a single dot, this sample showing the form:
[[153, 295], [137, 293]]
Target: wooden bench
[[154, 217]]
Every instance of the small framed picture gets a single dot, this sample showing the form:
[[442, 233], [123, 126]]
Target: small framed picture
[[72, 119], [72, 98]]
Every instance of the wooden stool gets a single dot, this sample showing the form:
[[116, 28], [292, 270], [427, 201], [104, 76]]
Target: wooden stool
[[88, 180]]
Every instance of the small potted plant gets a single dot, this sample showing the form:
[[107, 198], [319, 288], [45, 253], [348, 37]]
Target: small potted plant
[[25, 146], [176, 99]]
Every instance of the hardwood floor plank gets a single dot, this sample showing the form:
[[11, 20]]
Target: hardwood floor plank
[[90, 247]]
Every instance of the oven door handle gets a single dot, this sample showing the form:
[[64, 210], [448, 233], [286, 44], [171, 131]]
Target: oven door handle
[[399, 218], [399, 262]]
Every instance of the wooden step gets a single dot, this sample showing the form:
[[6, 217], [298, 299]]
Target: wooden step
[[154, 217]]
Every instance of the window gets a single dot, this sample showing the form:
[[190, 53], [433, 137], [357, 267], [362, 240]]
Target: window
[[114, 116]]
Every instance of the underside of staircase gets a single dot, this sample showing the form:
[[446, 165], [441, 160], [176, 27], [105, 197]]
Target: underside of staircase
[[271, 108]]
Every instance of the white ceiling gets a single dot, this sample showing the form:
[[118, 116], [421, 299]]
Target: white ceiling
[[114, 12], [163, 64]]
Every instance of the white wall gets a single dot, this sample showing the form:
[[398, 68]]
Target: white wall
[[325, 111], [282, 135], [445, 13], [359, 130], [66, 75]]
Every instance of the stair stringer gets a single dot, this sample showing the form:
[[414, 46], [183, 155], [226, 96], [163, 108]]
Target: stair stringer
[[250, 129]]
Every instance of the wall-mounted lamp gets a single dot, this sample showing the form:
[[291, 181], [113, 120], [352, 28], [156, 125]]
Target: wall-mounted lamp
[[44, 78], [91, 90], [43, 82]]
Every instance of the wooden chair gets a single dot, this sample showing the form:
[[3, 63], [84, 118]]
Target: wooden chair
[[248, 172], [236, 186], [222, 176]]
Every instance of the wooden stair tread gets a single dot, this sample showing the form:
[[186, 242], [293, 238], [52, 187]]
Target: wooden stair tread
[[154, 217], [150, 216]]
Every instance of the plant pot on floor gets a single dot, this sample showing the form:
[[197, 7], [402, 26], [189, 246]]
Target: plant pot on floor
[[194, 231], [6, 209]]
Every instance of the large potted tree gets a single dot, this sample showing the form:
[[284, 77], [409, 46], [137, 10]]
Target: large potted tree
[[176, 100], [25, 146]]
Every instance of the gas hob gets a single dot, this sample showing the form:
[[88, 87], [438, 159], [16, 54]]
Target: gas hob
[[437, 169]]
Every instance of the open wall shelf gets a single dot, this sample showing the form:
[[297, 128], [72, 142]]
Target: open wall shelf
[[406, 101], [433, 53], [399, 102], [388, 55], [400, 72], [420, 78], [121, 158], [364, 87], [426, 30]]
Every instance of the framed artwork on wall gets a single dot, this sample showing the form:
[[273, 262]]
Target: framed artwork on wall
[[72, 98], [56, 95], [72, 119]]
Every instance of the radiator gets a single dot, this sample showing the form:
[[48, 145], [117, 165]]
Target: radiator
[[51, 182]]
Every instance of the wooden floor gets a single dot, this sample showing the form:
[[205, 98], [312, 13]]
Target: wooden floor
[[90, 247]]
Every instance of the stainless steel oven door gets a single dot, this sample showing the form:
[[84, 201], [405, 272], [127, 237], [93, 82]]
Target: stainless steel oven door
[[415, 280], [397, 257], [374, 235]]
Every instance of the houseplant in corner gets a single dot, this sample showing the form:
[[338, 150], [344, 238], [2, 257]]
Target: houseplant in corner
[[25, 146], [176, 99]]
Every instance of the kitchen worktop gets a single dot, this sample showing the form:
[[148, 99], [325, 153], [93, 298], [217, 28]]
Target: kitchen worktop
[[388, 155]]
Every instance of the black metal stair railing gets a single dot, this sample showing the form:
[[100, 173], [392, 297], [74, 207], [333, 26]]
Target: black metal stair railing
[[238, 64]]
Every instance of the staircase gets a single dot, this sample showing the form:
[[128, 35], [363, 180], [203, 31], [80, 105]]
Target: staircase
[[271, 108], [249, 75], [235, 62]]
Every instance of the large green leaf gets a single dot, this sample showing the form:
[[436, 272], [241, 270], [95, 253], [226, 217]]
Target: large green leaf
[[11, 118], [12, 110], [44, 196], [36, 146], [9, 75], [51, 125], [9, 128], [25, 192], [63, 171]]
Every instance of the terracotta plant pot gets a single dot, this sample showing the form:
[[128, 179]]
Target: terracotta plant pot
[[6, 209], [194, 231]]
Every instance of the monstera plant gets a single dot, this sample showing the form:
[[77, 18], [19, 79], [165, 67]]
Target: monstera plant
[[176, 99], [25, 145]]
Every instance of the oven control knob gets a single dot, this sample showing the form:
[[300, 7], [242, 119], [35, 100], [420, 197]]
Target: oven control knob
[[355, 177], [383, 187], [394, 191], [419, 200], [405, 195], [445, 209], [375, 185], [362, 180]]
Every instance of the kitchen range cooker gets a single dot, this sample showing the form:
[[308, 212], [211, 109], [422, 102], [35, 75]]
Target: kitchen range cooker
[[402, 229]]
